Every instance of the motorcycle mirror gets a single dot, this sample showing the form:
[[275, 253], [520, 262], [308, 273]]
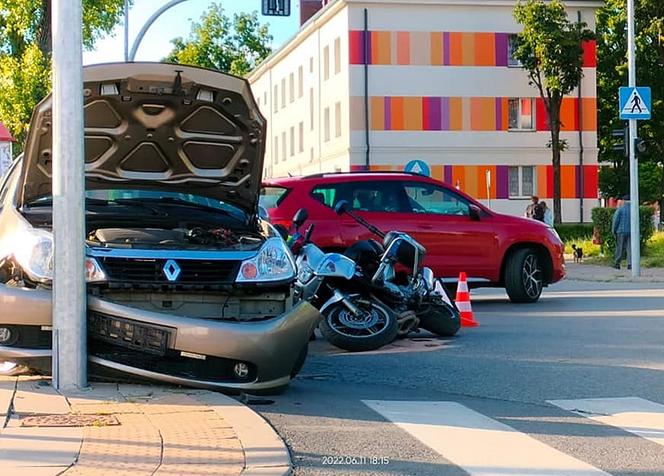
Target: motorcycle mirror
[[308, 233], [300, 217], [282, 230], [341, 207], [474, 212]]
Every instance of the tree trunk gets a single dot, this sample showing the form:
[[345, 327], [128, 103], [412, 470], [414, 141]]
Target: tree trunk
[[44, 34], [554, 124]]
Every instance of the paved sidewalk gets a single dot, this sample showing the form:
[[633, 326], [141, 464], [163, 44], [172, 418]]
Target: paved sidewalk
[[134, 430], [592, 272]]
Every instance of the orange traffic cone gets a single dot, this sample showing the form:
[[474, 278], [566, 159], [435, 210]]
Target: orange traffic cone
[[462, 302]]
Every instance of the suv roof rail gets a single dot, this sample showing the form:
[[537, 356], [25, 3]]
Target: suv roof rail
[[355, 172]]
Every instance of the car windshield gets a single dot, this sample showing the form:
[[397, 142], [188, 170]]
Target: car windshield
[[186, 199]]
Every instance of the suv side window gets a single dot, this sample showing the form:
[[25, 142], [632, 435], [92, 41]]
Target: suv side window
[[429, 198], [387, 196]]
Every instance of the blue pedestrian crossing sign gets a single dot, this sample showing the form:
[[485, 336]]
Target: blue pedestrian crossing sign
[[635, 103], [418, 167]]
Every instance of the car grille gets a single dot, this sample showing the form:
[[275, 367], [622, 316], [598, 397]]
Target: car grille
[[151, 271], [212, 369]]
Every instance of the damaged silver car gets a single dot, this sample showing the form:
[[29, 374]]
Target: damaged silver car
[[186, 283]]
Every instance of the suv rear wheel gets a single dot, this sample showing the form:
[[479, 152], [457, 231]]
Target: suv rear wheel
[[524, 276]]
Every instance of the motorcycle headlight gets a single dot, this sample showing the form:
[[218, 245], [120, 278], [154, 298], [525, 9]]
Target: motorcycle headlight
[[274, 262], [33, 251]]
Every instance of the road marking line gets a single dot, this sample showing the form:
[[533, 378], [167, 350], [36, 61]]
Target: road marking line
[[478, 444], [635, 415]]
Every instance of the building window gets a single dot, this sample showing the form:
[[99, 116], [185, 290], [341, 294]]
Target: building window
[[300, 149], [276, 150], [300, 82], [522, 181], [337, 56], [292, 141], [326, 63], [283, 93], [276, 98], [326, 122], [311, 64], [265, 98], [337, 120], [511, 48], [283, 146], [291, 87], [311, 109], [521, 114]]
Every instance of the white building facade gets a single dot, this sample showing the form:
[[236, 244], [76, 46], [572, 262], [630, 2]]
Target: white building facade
[[428, 86]]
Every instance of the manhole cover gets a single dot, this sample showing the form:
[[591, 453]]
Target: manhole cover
[[69, 420]]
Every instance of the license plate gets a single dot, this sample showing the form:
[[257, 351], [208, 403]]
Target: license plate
[[128, 333]]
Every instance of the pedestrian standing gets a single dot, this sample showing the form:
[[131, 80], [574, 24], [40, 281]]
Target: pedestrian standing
[[621, 231], [530, 209], [547, 214]]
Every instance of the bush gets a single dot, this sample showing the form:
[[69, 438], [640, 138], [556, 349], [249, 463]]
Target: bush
[[574, 231], [603, 221]]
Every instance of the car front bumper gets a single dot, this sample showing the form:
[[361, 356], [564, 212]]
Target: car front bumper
[[271, 346]]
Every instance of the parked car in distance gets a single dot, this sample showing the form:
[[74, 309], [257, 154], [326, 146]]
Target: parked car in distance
[[460, 234], [185, 283]]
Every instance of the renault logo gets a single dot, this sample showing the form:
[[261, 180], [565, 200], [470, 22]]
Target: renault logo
[[171, 270]]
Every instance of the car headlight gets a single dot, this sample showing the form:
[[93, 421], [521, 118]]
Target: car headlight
[[274, 262], [33, 251]]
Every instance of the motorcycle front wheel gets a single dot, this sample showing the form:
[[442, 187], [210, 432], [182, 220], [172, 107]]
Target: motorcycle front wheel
[[440, 318], [376, 327]]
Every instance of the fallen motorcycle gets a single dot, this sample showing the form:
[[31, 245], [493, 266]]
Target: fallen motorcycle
[[419, 300], [352, 318]]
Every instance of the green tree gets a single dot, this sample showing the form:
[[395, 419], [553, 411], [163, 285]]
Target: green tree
[[611, 74], [218, 42], [550, 50], [25, 53]]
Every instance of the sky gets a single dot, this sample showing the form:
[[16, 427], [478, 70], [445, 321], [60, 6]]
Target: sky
[[177, 22]]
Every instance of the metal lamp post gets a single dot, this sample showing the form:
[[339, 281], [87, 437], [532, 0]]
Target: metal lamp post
[[69, 296], [633, 165]]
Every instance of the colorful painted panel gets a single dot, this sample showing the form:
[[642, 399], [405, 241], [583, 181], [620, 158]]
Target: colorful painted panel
[[472, 179], [415, 113], [439, 48]]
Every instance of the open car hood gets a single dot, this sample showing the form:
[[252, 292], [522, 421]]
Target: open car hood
[[155, 126]]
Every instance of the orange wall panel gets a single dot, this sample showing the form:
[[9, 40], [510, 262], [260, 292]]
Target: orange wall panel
[[568, 181], [397, 114], [377, 113], [436, 39], [467, 49], [456, 58], [485, 49], [456, 114], [403, 48], [412, 118], [589, 114]]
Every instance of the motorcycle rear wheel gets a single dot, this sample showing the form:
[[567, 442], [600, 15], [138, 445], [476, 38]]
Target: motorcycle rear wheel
[[441, 319], [343, 330]]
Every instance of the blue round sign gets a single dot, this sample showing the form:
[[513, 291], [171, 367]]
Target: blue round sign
[[418, 167]]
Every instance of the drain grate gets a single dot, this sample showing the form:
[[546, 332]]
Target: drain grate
[[68, 420]]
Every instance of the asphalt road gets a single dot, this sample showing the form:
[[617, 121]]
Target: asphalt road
[[572, 385]]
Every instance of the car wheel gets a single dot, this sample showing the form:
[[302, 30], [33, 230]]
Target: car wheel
[[524, 276]]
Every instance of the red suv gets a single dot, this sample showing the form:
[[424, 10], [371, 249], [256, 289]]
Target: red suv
[[460, 234]]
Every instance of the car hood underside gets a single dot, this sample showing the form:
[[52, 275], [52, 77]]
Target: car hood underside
[[156, 126]]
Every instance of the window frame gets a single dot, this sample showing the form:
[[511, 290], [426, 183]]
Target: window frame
[[511, 61], [345, 191], [521, 195], [337, 120], [337, 55], [533, 105], [326, 63], [327, 133]]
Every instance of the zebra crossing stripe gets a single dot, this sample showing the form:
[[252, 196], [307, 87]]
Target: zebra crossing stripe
[[635, 415], [478, 444]]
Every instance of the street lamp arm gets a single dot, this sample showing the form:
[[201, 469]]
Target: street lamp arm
[[148, 24]]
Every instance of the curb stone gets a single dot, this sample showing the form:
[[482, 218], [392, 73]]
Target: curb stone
[[265, 452]]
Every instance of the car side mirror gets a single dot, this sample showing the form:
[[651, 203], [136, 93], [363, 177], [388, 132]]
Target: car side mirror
[[474, 212], [300, 217], [341, 207]]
